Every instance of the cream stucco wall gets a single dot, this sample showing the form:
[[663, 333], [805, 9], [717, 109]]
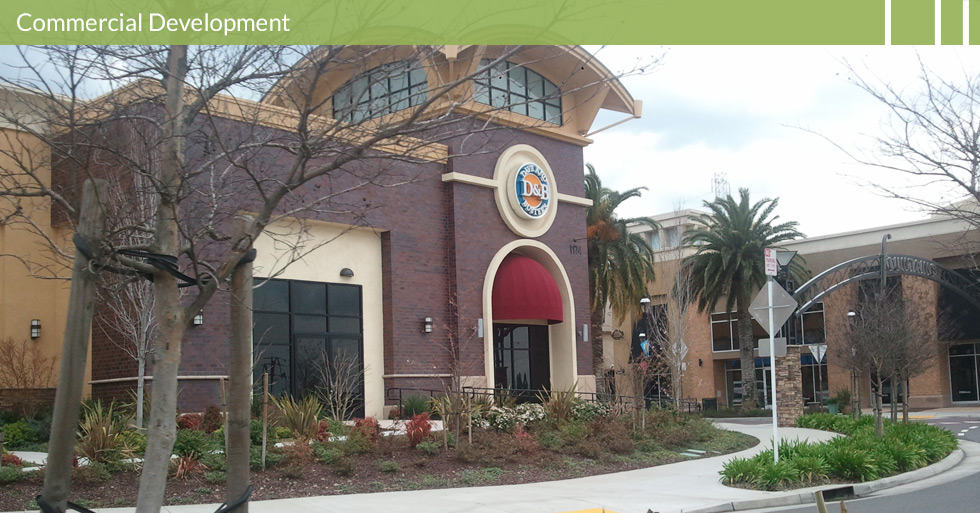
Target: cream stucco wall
[[341, 246]]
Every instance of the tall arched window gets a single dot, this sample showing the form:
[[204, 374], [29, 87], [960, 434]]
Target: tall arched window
[[383, 90], [519, 89]]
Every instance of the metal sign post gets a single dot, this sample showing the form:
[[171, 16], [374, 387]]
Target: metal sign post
[[777, 315], [772, 373]]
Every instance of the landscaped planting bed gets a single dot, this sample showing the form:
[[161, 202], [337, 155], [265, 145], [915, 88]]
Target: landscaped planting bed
[[857, 457], [563, 438]]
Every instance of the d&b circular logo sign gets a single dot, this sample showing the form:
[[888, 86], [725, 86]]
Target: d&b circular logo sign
[[532, 190]]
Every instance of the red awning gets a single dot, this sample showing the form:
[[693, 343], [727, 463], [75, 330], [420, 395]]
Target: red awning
[[524, 289]]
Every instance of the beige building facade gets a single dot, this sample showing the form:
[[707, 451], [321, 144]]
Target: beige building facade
[[710, 369]]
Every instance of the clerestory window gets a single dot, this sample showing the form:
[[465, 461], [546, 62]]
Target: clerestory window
[[383, 90], [520, 90]]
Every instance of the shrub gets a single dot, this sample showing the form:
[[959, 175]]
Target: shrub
[[192, 443], [212, 419], [428, 447], [585, 411], [133, 442], [810, 468], [10, 460], [368, 427], [10, 474], [740, 470], [389, 466], [776, 475], [299, 455], [191, 421], [326, 453], [301, 417], [558, 404], [852, 464], [100, 434], [91, 474], [186, 466], [417, 429], [19, 434], [524, 442], [215, 476], [413, 405]]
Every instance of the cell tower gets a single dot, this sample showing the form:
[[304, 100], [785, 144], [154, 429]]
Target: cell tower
[[719, 183]]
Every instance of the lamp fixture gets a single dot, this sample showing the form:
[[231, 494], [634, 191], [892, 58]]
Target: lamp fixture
[[427, 325], [198, 319], [784, 257], [35, 328], [346, 272], [700, 363]]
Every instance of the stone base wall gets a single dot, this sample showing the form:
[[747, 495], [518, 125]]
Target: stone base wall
[[789, 386]]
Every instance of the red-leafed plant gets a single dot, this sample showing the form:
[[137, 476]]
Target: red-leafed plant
[[323, 432], [368, 427], [11, 460], [190, 421], [211, 420], [524, 442], [417, 429]]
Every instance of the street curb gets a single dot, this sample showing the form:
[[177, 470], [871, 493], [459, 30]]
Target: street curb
[[805, 495]]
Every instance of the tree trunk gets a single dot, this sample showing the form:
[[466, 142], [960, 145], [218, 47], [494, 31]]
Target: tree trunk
[[74, 353], [140, 387], [747, 354], [879, 428], [169, 311], [893, 397], [855, 396], [240, 378], [905, 403]]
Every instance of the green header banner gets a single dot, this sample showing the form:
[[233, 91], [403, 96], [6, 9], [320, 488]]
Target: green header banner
[[480, 22]]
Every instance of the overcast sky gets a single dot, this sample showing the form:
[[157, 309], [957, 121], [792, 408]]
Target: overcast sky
[[737, 111]]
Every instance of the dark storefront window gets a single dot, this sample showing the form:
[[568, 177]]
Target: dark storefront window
[[524, 91], [383, 90], [724, 332], [300, 327], [963, 371]]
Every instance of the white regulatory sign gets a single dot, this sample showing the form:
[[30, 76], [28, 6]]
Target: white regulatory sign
[[772, 266]]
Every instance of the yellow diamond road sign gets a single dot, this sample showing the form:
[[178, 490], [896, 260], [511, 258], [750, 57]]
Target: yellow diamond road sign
[[783, 306]]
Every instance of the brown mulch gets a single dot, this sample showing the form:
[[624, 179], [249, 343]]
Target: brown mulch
[[480, 466]]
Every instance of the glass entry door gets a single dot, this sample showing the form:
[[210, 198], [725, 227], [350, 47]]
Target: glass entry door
[[521, 363], [963, 372]]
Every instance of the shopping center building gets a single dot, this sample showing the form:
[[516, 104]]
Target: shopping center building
[[482, 249], [927, 260]]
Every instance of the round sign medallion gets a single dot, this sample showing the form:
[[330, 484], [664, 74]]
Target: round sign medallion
[[532, 191]]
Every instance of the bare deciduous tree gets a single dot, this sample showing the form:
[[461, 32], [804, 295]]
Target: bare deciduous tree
[[890, 338], [23, 366], [340, 384]]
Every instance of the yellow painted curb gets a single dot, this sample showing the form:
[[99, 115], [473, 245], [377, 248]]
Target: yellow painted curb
[[593, 510]]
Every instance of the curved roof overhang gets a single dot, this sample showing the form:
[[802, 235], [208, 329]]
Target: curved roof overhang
[[580, 76]]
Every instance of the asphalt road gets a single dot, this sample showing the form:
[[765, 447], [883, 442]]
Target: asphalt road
[[958, 496], [965, 428]]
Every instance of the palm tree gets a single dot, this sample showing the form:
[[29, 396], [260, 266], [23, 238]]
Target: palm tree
[[620, 262], [729, 266]]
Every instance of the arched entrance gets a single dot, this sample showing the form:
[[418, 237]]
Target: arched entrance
[[531, 336]]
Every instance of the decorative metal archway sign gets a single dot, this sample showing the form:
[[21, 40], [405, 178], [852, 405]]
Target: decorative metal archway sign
[[869, 267]]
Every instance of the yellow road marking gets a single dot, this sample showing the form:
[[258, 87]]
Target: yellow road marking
[[593, 510]]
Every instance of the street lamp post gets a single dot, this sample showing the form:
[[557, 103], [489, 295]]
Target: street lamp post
[[783, 258]]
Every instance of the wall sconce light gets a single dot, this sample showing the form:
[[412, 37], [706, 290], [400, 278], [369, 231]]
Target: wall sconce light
[[427, 325], [346, 272], [700, 363], [35, 328], [198, 320]]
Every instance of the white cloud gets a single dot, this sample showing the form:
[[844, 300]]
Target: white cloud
[[734, 110]]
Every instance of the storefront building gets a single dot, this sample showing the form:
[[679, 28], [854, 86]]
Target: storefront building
[[923, 257], [479, 254]]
